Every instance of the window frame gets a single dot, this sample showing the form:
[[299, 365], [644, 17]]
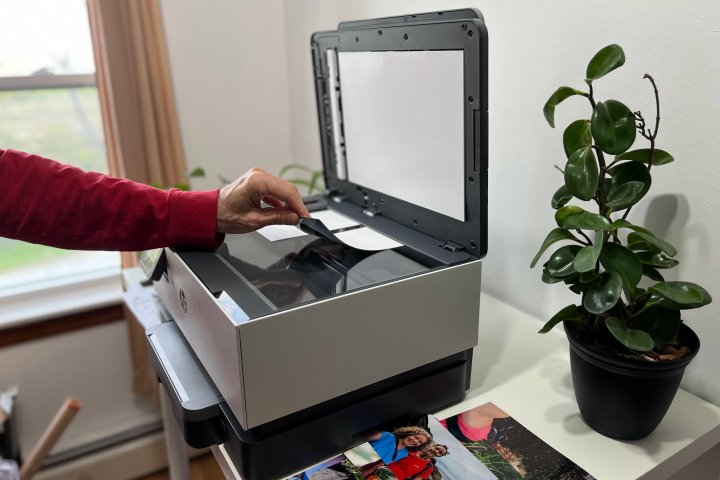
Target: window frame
[[46, 81], [54, 299], [60, 297]]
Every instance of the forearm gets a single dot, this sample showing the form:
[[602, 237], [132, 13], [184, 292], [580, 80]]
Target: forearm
[[42, 201]]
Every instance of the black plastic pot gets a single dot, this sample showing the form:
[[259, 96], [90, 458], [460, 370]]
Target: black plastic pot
[[626, 399]]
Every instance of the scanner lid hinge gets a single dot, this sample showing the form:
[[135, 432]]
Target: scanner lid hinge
[[451, 246]]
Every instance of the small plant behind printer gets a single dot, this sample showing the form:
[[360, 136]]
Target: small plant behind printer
[[304, 177], [198, 172], [307, 177], [605, 256]]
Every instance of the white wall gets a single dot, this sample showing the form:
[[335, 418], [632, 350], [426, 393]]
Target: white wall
[[92, 365], [230, 78], [534, 48]]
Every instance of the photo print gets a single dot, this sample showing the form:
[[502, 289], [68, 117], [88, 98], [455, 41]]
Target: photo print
[[504, 448], [483, 443], [405, 453]]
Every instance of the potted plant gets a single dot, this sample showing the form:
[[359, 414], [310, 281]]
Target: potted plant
[[628, 344]]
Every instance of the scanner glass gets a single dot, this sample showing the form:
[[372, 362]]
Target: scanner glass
[[299, 270]]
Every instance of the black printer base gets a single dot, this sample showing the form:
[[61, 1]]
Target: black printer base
[[289, 444], [272, 452]]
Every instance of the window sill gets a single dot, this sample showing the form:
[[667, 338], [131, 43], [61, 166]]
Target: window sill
[[60, 297]]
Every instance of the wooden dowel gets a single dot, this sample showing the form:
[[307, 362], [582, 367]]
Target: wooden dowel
[[48, 439]]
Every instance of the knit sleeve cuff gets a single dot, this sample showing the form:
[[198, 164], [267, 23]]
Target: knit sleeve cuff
[[194, 219]]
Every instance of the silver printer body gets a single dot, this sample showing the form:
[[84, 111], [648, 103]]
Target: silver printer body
[[293, 358]]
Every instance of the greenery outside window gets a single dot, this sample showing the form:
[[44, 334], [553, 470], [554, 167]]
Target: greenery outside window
[[49, 106]]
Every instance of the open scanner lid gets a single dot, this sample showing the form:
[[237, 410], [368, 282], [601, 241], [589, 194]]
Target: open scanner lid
[[402, 106]]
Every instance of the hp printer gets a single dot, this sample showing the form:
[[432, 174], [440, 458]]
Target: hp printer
[[302, 344]]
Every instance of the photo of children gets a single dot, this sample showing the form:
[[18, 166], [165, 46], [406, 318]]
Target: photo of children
[[405, 453], [507, 449]]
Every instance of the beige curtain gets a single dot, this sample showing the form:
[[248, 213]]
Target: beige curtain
[[139, 115]]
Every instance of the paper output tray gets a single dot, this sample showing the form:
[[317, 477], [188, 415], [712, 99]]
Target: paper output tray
[[305, 437]]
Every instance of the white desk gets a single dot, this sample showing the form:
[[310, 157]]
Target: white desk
[[528, 375]]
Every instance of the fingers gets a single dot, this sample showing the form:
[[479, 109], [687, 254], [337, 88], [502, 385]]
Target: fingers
[[273, 202], [275, 216], [270, 186], [239, 203]]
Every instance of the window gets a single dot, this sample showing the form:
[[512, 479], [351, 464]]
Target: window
[[49, 106]]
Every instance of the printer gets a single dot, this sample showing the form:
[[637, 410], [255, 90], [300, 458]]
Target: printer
[[301, 341]]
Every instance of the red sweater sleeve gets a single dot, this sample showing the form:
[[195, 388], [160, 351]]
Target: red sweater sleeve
[[43, 201]]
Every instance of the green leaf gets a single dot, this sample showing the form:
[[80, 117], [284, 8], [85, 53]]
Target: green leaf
[[625, 196], [555, 99], [560, 263], [561, 197], [581, 174], [659, 157], [182, 186], [613, 127], [631, 338], [300, 182], [589, 276], [586, 221], [624, 174], [568, 313], [618, 259], [638, 245], [660, 323], [622, 223], [578, 288], [604, 62], [651, 239], [604, 293], [548, 278], [316, 177], [577, 135], [294, 166], [682, 295], [586, 259], [562, 215], [555, 235], [657, 260], [652, 274], [197, 172]]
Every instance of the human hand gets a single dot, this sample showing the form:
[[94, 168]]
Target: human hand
[[239, 204]]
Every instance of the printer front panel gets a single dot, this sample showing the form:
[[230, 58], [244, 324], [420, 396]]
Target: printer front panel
[[298, 358], [211, 334]]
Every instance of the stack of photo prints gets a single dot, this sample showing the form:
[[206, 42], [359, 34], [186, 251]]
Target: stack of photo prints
[[481, 443]]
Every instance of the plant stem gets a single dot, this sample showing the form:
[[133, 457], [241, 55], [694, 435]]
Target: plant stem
[[600, 197], [596, 326], [647, 134], [601, 183], [590, 96], [610, 165], [589, 242], [657, 118]]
